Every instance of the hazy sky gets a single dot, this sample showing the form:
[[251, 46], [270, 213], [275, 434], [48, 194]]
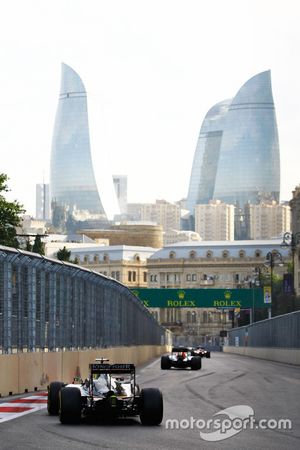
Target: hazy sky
[[152, 69]]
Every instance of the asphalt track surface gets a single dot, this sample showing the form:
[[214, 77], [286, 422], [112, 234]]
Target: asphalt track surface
[[271, 389]]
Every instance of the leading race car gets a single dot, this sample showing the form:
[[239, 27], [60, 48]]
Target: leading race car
[[200, 351], [181, 357], [110, 392]]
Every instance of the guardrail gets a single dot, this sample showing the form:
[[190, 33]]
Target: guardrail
[[49, 305]]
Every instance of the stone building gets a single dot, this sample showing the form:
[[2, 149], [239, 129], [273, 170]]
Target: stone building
[[208, 264], [136, 234]]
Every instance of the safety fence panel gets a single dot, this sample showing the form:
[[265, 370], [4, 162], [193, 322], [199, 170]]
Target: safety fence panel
[[53, 305], [281, 332]]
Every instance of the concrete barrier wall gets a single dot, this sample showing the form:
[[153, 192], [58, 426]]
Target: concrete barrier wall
[[22, 372], [284, 355]]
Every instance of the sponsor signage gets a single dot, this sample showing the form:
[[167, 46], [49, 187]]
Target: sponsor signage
[[288, 283], [201, 298]]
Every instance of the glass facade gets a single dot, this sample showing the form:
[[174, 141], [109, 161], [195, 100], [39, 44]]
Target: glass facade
[[72, 180], [242, 164], [205, 164]]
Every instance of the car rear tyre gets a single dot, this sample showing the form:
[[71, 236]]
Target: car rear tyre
[[196, 363], [165, 363], [151, 406], [208, 355], [70, 405], [53, 397]]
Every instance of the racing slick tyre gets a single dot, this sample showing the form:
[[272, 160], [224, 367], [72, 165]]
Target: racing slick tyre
[[53, 397], [151, 412], [70, 405], [196, 363], [208, 355], [165, 363]]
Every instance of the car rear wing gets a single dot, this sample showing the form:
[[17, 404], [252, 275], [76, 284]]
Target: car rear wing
[[111, 368], [180, 349]]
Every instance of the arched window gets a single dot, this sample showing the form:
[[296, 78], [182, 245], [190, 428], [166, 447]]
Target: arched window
[[209, 254], [96, 258], [105, 258], [188, 317], [193, 254], [86, 258], [137, 257], [172, 255], [225, 254], [194, 317], [242, 253], [257, 253]]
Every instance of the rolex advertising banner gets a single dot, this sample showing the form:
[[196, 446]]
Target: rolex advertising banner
[[201, 298]]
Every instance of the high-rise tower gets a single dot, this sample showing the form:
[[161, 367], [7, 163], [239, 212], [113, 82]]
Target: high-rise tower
[[205, 164], [120, 184], [249, 166], [72, 180], [237, 154]]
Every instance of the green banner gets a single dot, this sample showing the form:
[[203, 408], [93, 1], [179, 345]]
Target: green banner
[[202, 298]]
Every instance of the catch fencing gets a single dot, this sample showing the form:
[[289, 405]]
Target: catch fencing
[[278, 332], [49, 305]]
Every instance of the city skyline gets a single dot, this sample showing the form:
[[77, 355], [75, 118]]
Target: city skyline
[[151, 70]]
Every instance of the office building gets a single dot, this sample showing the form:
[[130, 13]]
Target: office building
[[42, 202], [215, 221], [267, 220], [163, 213], [120, 185]]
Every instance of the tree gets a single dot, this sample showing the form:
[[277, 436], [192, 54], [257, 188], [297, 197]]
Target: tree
[[38, 246], [9, 216], [28, 247], [63, 254]]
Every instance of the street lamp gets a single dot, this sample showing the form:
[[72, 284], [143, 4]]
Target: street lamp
[[291, 240], [254, 282], [271, 258]]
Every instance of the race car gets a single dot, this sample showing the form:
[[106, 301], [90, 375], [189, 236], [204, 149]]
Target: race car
[[181, 357], [200, 351], [110, 392]]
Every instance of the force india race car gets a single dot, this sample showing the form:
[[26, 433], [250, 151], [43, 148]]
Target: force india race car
[[201, 351], [181, 357], [110, 392]]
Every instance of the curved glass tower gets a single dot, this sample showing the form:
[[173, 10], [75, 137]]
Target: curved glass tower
[[249, 166], [72, 180], [206, 158], [237, 154]]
